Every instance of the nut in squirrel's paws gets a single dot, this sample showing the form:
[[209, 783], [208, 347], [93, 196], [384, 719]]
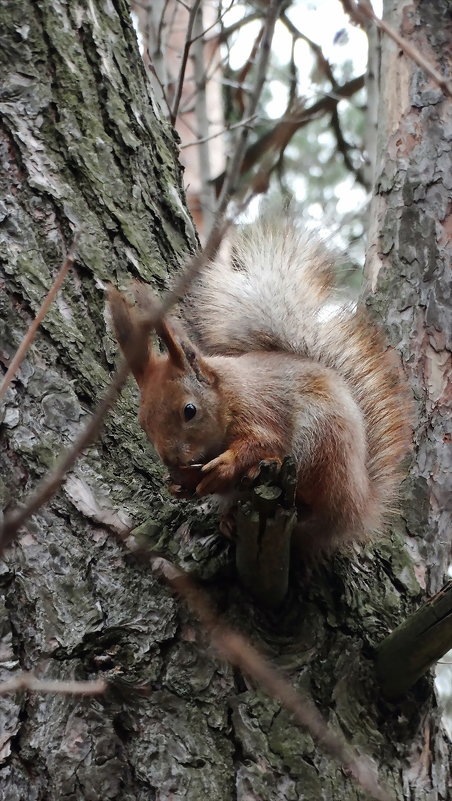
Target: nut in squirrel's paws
[[182, 481], [221, 474]]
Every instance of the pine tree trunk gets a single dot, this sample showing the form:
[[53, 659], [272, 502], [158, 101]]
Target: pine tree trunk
[[409, 261], [82, 145]]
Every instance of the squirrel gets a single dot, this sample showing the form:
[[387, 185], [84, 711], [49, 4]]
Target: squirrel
[[273, 374]]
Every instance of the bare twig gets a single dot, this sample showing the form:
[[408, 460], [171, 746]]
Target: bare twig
[[212, 67], [362, 10], [202, 34], [235, 649], [234, 168], [34, 325], [224, 131], [213, 59], [161, 24], [181, 3], [323, 62], [278, 137], [197, 262], [27, 681], [344, 148], [227, 32], [245, 70], [188, 41], [293, 76]]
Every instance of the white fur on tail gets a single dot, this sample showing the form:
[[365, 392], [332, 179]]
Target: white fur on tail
[[268, 290]]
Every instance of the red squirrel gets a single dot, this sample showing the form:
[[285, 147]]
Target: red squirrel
[[275, 375]]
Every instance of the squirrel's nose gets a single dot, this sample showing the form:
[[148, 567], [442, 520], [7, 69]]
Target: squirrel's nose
[[173, 457]]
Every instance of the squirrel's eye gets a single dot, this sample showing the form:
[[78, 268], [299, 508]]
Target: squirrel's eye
[[189, 411]]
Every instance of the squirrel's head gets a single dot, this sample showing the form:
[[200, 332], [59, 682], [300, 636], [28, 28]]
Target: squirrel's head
[[180, 406]]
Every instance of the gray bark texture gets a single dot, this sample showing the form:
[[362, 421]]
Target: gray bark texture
[[409, 262], [83, 145]]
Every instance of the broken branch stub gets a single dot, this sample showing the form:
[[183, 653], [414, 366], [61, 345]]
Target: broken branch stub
[[266, 518], [414, 646]]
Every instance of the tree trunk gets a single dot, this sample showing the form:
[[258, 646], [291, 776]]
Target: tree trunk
[[82, 145], [409, 261]]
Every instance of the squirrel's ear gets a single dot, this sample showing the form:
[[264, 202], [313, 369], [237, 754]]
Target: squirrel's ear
[[147, 302], [184, 354], [181, 352], [131, 335], [171, 341]]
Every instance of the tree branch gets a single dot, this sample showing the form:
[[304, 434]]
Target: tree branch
[[245, 70], [414, 646], [234, 648], [224, 131], [323, 63], [362, 11], [236, 26], [27, 681], [279, 136], [34, 325], [235, 167], [344, 148], [188, 42]]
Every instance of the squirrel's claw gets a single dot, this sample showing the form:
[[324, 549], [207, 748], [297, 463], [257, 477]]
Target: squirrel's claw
[[221, 474], [224, 460]]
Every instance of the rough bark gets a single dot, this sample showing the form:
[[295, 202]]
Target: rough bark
[[81, 144], [409, 262]]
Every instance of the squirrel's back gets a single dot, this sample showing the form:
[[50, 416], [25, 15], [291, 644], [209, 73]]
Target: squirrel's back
[[272, 288]]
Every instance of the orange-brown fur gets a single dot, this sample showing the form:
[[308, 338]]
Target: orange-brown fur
[[271, 379]]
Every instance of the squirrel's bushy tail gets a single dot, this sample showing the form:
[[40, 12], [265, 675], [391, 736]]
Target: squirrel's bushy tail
[[272, 288]]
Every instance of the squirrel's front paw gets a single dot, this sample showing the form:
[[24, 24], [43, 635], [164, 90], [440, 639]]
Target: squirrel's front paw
[[221, 474]]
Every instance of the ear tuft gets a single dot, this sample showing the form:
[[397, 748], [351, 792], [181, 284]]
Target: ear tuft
[[131, 335], [171, 332], [189, 351]]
